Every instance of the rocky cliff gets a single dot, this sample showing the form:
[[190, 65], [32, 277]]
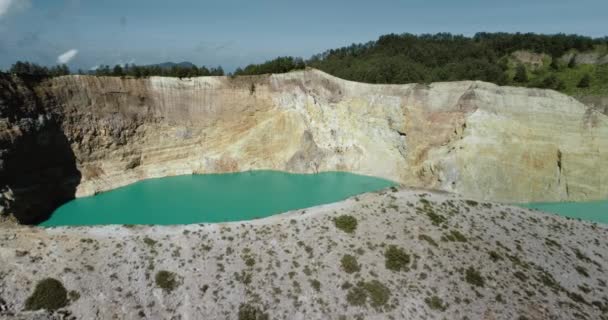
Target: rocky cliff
[[472, 138]]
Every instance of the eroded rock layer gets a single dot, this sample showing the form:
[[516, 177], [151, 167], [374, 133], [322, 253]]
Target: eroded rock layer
[[472, 138]]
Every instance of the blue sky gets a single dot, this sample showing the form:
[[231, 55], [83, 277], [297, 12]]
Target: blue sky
[[238, 32]]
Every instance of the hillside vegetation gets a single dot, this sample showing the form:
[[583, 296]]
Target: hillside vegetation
[[573, 64], [491, 57]]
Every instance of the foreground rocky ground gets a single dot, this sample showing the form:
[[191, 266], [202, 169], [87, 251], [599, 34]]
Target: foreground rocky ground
[[395, 254]]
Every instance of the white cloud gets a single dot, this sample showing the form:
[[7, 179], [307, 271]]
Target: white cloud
[[12, 5], [67, 56]]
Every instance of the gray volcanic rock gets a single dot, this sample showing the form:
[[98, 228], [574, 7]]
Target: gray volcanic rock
[[413, 255]]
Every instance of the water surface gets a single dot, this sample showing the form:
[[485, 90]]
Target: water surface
[[212, 198], [595, 211]]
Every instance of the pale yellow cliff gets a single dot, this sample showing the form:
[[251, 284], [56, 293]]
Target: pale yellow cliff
[[473, 138]]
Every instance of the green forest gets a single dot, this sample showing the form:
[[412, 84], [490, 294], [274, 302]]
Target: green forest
[[409, 58]]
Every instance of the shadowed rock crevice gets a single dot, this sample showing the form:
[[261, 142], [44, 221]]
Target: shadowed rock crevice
[[38, 169]]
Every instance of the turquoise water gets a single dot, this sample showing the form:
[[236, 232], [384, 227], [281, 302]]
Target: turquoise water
[[595, 211], [212, 198]]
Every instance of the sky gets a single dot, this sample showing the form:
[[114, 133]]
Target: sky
[[231, 33]]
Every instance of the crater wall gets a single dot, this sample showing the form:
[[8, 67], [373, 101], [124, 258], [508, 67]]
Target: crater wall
[[472, 138]]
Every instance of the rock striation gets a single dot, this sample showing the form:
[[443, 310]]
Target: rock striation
[[80, 135]]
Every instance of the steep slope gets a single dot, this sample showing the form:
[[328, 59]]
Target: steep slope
[[412, 255], [472, 138]]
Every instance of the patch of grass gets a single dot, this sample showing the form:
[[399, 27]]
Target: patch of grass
[[521, 276], [436, 219], [471, 203], [149, 242], [377, 293], [494, 256], [349, 264], [250, 262], [473, 277], [250, 312], [49, 294], [456, 236], [552, 243], [428, 239], [166, 280], [73, 295], [315, 284], [582, 270], [356, 296], [435, 303], [396, 259], [548, 280], [346, 223]]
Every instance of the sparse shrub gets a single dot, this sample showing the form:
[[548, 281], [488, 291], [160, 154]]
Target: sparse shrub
[[166, 280], [149, 242], [356, 296], [436, 218], [494, 256], [471, 203], [456, 236], [435, 303], [377, 293], [521, 75], [250, 262], [349, 264], [521, 276], [396, 259], [346, 223], [428, 239], [73, 295], [49, 294], [315, 284], [250, 312], [473, 277], [582, 271], [585, 81]]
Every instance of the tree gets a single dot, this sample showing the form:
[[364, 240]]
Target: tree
[[118, 71], [585, 81], [550, 82], [521, 75], [572, 62], [554, 63]]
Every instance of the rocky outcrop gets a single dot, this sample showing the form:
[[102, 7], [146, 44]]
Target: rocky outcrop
[[593, 57], [472, 138]]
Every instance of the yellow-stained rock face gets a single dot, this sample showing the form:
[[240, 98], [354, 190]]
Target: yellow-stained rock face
[[472, 138]]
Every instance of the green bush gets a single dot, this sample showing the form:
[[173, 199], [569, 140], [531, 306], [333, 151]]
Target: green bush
[[250, 312], [456, 236], [349, 264], [473, 277], [585, 82], [356, 296], [377, 293], [428, 239], [166, 280], [435, 303], [346, 223], [49, 294], [396, 259]]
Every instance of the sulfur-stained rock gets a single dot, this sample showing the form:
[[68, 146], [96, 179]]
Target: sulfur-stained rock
[[472, 138]]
